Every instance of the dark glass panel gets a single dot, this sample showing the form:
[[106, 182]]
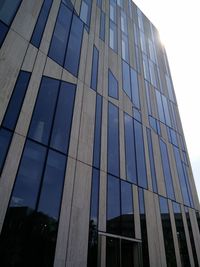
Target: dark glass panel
[[113, 205], [113, 140], [167, 233], [166, 170], [126, 78], [97, 133], [112, 252], [152, 162], [3, 32], [102, 26], [140, 155], [74, 46], [94, 73], [181, 235], [41, 122], [112, 85], [130, 150], [52, 185], [135, 88], [63, 117], [8, 9], [16, 100], [127, 217], [128, 254], [68, 3], [41, 23], [160, 107], [5, 138], [29, 175], [60, 35]]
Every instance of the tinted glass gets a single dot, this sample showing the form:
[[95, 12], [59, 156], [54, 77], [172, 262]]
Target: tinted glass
[[140, 155], [3, 32], [113, 11], [135, 88], [160, 107], [8, 9], [112, 252], [41, 22], [94, 74], [126, 78], [146, 68], [113, 205], [125, 49], [102, 26], [166, 110], [130, 150], [113, 36], [97, 133], [5, 138], [128, 257], [112, 85], [185, 169], [166, 170], [123, 22], [74, 46], [16, 100], [60, 35], [85, 12], [113, 140], [63, 117]]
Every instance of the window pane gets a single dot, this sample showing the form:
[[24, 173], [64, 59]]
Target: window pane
[[113, 11], [16, 100], [95, 63], [160, 107], [44, 110], [113, 205], [113, 140], [125, 50], [3, 32], [140, 155], [74, 46], [135, 88], [146, 68], [63, 117], [97, 133], [28, 179], [126, 78], [102, 26], [124, 22], [60, 35], [166, 110], [112, 252], [128, 254], [113, 36], [130, 150], [8, 9], [112, 85], [41, 23], [85, 12], [5, 138], [52, 186]]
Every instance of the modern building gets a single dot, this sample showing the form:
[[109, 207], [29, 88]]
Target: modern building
[[94, 169]]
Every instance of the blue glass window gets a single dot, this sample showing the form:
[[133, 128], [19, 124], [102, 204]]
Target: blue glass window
[[60, 35], [74, 46], [5, 138], [42, 118], [135, 88], [113, 11], [102, 26], [97, 133], [166, 170], [95, 63], [130, 150], [16, 100], [146, 68], [147, 90], [63, 117], [112, 85], [85, 13], [185, 169], [152, 162], [8, 9], [160, 107], [3, 32], [113, 36], [140, 155], [41, 23], [124, 27], [125, 49], [126, 78], [99, 3], [113, 140], [166, 110]]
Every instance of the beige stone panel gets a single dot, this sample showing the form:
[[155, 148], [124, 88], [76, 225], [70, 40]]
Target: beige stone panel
[[30, 98], [11, 57], [86, 137], [73, 146], [153, 102], [52, 69], [187, 236], [174, 233], [26, 18], [113, 101], [79, 221], [46, 38], [68, 77], [102, 201], [105, 73], [77, 5], [104, 133], [101, 72], [103, 251], [136, 212], [148, 168], [193, 188], [29, 59], [113, 63], [142, 94], [158, 165], [195, 232], [88, 66], [127, 104], [164, 131], [83, 57], [122, 145], [97, 24], [64, 221], [9, 173]]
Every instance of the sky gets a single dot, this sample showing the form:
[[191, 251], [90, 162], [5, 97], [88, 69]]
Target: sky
[[178, 23]]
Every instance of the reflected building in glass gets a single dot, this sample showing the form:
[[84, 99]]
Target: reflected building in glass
[[94, 169]]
